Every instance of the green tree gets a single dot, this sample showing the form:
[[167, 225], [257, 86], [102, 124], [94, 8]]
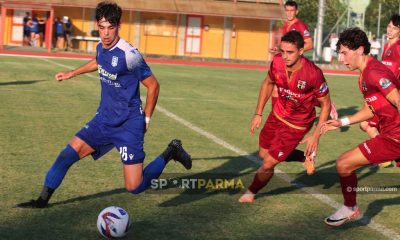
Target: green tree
[[389, 7], [308, 13]]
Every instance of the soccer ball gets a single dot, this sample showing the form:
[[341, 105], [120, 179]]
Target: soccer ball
[[113, 222]]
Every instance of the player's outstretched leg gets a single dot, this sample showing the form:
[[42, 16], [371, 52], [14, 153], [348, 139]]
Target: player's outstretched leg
[[68, 156], [342, 215], [176, 152]]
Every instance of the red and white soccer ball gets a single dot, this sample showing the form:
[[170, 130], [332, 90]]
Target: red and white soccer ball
[[113, 222]]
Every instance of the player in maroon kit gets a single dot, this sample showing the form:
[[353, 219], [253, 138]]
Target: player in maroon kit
[[292, 23], [299, 83], [379, 87], [390, 58]]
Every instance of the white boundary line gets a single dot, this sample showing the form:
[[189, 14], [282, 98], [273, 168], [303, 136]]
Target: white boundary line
[[349, 74], [310, 190]]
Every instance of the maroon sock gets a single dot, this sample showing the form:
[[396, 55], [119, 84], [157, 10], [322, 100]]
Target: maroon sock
[[259, 181], [348, 185], [295, 156]]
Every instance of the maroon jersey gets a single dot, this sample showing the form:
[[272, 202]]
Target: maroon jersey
[[391, 57], [375, 83], [297, 93], [299, 26]]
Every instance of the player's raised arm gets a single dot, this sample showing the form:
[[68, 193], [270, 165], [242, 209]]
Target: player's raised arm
[[153, 89], [86, 68], [265, 92]]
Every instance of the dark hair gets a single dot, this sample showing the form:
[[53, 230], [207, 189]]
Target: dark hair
[[395, 19], [291, 3], [293, 37], [110, 11], [353, 38]]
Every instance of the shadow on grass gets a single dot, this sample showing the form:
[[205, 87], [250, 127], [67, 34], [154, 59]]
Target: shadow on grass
[[19, 82], [89, 197]]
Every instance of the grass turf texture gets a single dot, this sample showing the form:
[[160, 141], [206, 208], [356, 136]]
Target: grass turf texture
[[39, 115]]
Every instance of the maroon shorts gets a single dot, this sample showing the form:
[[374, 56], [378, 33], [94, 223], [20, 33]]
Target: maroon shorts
[[380, 149], [374, 122], [279, 138]]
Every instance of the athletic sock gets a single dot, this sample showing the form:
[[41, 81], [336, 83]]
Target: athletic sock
[[152, 171], [348, 185], [64, 161], [260, 180], [296, 156]]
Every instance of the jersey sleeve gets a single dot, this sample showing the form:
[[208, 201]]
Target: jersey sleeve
[[271, 71], [383, 81], [137, 65], [303, 29], [321, 88]]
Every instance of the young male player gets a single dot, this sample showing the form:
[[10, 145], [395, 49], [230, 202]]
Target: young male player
[[380, 89], [300, 82], [293, 23], [391, 59], [120, 120]]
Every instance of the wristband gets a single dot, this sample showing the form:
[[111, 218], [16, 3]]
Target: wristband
[[345, 121], [258, 114], [147, 119]]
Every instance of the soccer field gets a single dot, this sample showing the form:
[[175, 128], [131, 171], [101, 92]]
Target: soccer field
[[209, 109]]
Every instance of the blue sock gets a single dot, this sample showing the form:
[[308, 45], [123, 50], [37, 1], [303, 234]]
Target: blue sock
[[64, 161], [150, 172]]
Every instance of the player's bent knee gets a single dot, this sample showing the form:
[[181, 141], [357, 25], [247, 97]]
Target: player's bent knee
[[343, 168]]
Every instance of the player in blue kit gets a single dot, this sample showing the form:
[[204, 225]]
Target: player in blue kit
[[120, 120]]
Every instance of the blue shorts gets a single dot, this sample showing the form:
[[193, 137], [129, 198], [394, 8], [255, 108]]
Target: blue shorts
[[127, 138]]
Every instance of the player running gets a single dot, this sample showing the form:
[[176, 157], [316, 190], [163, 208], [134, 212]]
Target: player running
[[293, 23], [379, 87], [299, 83], [391, 59], [120, 120]]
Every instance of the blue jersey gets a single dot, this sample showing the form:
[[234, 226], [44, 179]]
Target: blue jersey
[[120, 68], [35, 25]]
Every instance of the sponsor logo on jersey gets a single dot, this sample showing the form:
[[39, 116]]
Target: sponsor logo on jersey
[[114, 61], [385, 83], [387, 63], [323, 88], [287, 91], [371, 99], [131, 156], [106, 74], [301, 84], [306, 33]]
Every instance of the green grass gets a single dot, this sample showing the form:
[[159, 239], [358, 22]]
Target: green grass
[[39, 115]]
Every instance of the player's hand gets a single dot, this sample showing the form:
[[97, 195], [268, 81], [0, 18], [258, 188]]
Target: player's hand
[[312, 145], [274, 50], [64, 75], [255, 123], [330, 125]]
